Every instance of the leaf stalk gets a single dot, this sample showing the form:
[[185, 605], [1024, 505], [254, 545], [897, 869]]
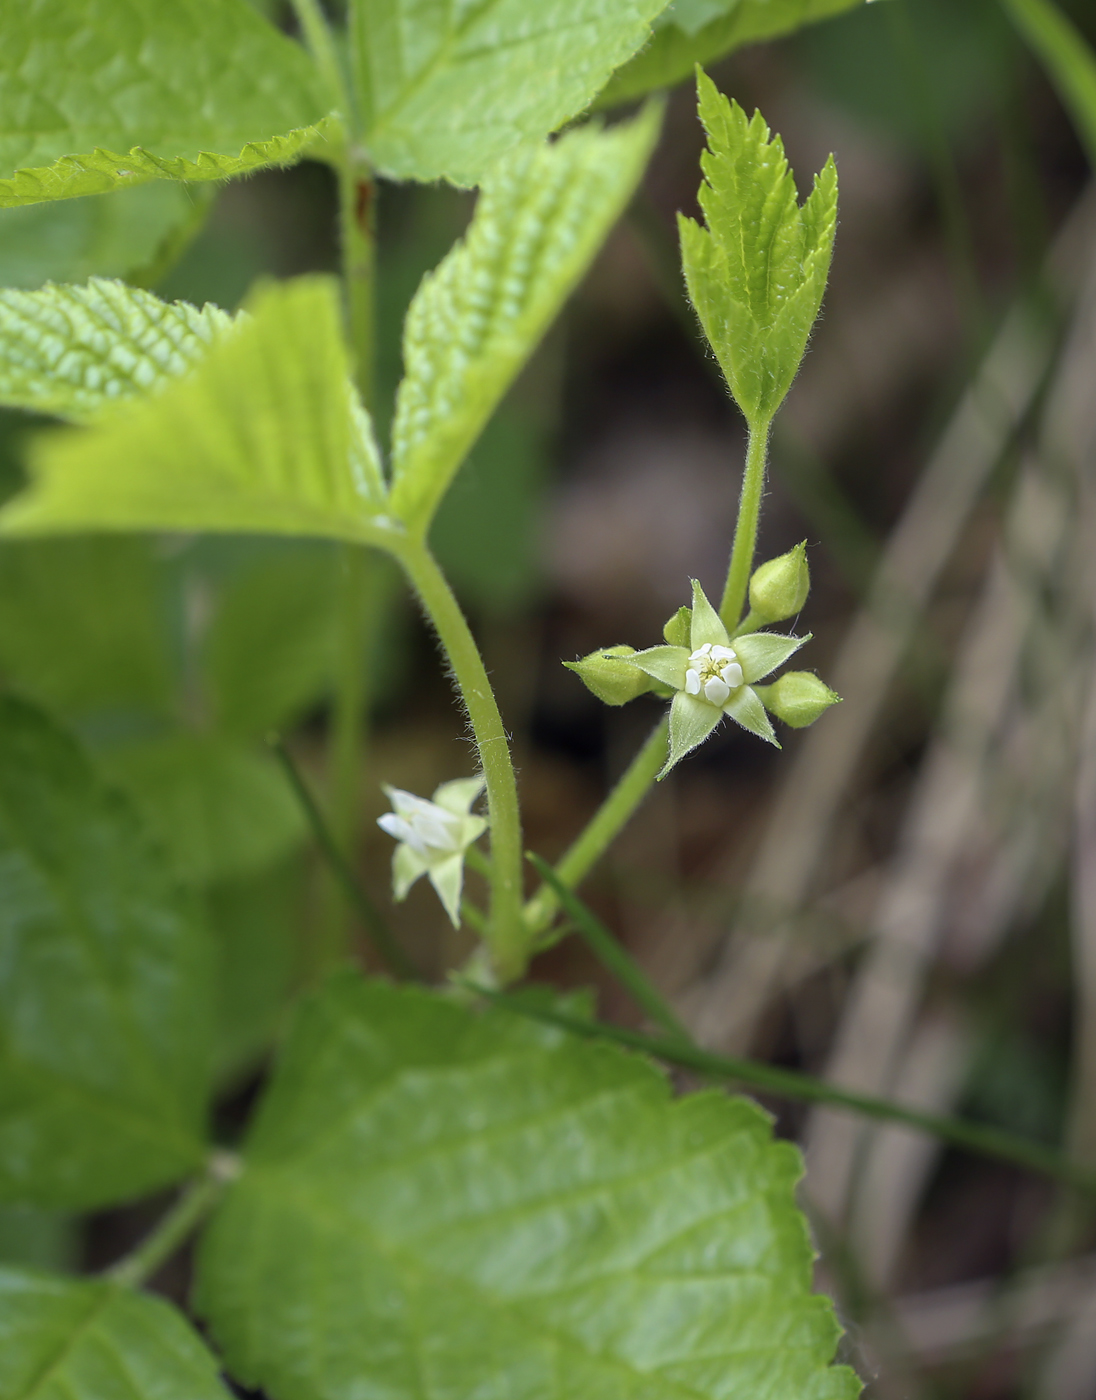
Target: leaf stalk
[[745, 530]]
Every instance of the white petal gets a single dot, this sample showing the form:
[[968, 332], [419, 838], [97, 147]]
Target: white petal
[[716, 691], [701, 652], [692, 681], [723, 654], [732, 674]]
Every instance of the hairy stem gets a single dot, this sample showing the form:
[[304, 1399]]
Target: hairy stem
[[506, 935], [745, 530], [601, 830], [193, 1205]]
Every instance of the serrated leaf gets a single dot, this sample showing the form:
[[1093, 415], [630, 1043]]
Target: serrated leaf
[[439, 1203], [100, 93], [757, 273], [446, 90], [542, 215], [689, 32], [76, 351], [77, 1339], [105, 986], [267, 434]]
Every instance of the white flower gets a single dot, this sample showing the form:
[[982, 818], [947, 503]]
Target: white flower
[[433, 837]]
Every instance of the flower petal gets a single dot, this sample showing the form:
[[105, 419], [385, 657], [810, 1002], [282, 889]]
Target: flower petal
[[407, 866], [457, 796], [691, 721], [746, 709], [762, 652], [706, 624], [666, 664], [447, 877], [471, 829]]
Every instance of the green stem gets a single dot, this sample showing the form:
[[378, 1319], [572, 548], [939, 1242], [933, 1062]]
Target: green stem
[[358, 233], [745, 530], [316, 33], [602, 829], [507, 935], [193, 1205]]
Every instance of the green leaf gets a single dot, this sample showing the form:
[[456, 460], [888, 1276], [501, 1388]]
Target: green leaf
[[757, 273], [443, 1203], [105, 992], [100, 93], [445, 90], [219, 809], [77, 351], [689, 32], [1068, 59], [71, 1339], [267, 435], [39, 1239], [542, 215]]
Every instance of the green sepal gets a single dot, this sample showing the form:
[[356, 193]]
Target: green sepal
[[612, 680], [779, 587], [664, 664], [759, 653], [798, 698], [746, 709], [678, 629], [691, 721], [705, 624]]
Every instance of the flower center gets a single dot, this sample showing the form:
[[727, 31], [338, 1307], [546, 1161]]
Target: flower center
[[713, 673]]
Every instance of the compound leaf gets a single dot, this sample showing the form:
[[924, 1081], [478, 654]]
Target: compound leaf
[[757, 273], [266, 434], [100, 93], [105, 986], [75, 351], [689, 32], [439, 1203], [445, 90], [542, 215], [76, 1339]]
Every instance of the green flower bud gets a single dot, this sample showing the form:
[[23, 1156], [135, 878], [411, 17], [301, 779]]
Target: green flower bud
[[678, 628], [779, 588], [612, 681], [798, 698]]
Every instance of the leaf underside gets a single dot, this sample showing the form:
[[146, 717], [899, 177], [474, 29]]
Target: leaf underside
[[439, 1203]]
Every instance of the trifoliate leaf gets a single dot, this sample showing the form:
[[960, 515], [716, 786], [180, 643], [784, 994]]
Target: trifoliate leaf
[[445, 90], [443, 1203], [100, 93], [266, 434], [689, 32], [106, 994], [78, 1339], [757, 273], [542, 216]]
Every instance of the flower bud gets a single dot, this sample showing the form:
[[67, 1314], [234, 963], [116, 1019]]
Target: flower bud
[[779, 588], [798, 698], [677, 631], [612, 681]]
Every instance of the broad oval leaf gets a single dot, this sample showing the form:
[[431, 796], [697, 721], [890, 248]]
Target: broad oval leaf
[[442, 1203], [105, 986], [445, 90], [543, 213], [100, 93], [78, 1339], [266, 434]]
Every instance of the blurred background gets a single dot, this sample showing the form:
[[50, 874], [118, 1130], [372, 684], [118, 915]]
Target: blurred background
[[904, 898]]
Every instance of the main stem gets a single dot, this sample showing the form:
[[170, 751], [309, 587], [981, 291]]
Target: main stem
[[191, 1208], [745, 530], [507, 936]]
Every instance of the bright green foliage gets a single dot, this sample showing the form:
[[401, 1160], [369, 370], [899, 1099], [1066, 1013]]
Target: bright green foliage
[[110, 235], [1069, 61], [69, 1339], [38, 1239], [757, 273], [700, 31], [446, 89], [440, 1203], [542, 216], [266, 435], [75, 351], [100, 93], [80, 625], [218, 809], [105, 998]]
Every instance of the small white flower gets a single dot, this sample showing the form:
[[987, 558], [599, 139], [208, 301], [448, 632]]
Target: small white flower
[[433, 837]]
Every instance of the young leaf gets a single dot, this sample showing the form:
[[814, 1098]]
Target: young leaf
[[543, 214], [105, 992], [441, 1203], [77, 1339], [76, 351], [445, 90], [757, 273], [100, 93], [689, 32], [265, 435]]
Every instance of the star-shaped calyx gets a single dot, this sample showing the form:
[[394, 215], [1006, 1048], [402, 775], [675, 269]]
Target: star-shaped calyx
[[433, 837]]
